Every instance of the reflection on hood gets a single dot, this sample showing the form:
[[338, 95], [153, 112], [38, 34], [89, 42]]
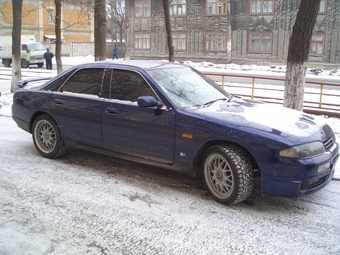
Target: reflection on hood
[[285, 122]]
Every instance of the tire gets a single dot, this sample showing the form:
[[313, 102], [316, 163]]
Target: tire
[[24, 63], [227, 174], [6, 62], [40, 64], [46, 137]]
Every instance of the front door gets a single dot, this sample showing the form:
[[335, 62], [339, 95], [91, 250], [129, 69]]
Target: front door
[[128, 129]]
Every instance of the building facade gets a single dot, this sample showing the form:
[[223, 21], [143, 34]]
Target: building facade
[[38, 20], [240, 31]]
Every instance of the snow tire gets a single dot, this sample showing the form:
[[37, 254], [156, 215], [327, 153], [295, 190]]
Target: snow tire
[[227, 174]]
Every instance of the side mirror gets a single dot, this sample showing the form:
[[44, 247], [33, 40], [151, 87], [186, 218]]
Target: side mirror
[[148, 101]]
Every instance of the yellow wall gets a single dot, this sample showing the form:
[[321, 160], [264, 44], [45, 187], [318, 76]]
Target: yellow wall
[[76, 18], [77, 21], [29, 13], [77, 38]]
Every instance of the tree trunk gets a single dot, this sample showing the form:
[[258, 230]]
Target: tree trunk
[[168, 29], [58, 35], [298, 53], [16, 43], [99, 30]]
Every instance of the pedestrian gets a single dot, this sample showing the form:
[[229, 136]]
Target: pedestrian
[[115, 52], [48, 57]]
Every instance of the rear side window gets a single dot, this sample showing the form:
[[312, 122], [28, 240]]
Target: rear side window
[[128, 86], [85, 81]]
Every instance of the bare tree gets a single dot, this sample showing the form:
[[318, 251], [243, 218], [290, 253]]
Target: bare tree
[[168, 29], [99, 30], [116, 14], [298, 53], [16, 43], [58, 35]]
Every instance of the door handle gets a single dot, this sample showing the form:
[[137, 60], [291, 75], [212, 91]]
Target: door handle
[[59, 102], [111, 111]]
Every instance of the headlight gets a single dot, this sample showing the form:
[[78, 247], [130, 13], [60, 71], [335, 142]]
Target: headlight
[[303, 151]]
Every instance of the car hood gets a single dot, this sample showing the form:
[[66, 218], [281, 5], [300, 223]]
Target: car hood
[[254, 116]]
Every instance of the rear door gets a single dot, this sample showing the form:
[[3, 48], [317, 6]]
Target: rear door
[[147, 133], [78, 107]]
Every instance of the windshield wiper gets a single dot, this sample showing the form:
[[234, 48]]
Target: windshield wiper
[[213, 101]]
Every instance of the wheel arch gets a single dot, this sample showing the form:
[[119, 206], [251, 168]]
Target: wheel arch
[[35, 116], [198, 158]]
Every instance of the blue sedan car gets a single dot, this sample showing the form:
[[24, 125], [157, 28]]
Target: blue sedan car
[[172, 116]]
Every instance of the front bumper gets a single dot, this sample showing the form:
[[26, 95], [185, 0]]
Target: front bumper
[[36, 60], [303, 177]]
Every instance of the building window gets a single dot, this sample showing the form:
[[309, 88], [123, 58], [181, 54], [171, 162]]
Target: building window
[[179, 41], [216, 42], [260, 43], [178, 7], [50, 16], [262, 6], [322, 8], [142, 41], [317, 45], [216, 7], [143, 8]]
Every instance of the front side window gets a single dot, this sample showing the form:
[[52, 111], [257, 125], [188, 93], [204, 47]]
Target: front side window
[[85, 81], [179, 41], [50, 16], [128, 86], [216, 42], [317, 45], [143, 8], [262, 6], [216, 7], [260, 43], [142, 41], [178, 7]]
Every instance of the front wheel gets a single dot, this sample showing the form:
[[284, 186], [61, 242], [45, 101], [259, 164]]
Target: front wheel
[[47, 138], [24, 63], [228, 174]]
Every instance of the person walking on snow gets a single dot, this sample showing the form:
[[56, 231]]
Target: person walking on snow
[[48, 57], [115, 52]]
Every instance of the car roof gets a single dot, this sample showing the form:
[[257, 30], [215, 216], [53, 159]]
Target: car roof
[[142, 64]]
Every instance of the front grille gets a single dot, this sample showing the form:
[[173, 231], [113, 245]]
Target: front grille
[[329, 142]]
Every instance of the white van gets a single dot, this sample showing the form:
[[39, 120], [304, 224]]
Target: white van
[[32, 52]]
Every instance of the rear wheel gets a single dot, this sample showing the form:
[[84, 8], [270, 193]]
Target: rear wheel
[[24, 63], [47, 138], [228, 174], [6, 62], [40, 64]]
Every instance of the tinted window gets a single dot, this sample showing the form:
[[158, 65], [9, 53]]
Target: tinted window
[[85, 81], [128, 86]]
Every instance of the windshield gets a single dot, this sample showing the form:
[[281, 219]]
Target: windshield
[[188, 88], [36, 47]]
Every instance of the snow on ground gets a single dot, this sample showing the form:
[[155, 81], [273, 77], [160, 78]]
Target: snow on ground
[[85, 203]]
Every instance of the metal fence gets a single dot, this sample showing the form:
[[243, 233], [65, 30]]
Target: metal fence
[[322, 94]]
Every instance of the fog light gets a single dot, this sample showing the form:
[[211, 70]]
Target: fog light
[[324, 167]]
